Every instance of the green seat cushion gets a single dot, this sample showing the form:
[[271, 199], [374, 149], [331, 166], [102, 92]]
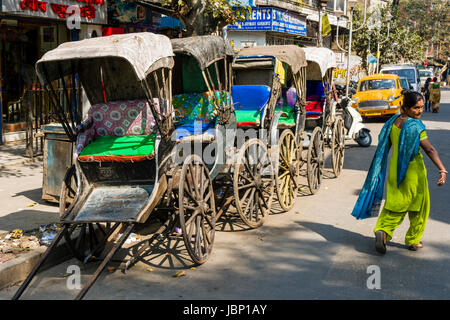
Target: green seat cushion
[[124, 148], [248, 116], [290, 116]]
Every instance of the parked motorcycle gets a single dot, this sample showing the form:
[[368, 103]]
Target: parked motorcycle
[[353, 123], [340, 89]]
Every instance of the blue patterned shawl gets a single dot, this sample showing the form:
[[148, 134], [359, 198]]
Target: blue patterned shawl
[[409, 143]]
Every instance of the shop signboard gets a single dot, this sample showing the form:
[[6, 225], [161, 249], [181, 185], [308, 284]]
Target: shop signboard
[[90, 11], [128, 12], [272, 19]]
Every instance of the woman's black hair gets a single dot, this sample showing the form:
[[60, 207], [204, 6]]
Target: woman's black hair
[[410, 98]]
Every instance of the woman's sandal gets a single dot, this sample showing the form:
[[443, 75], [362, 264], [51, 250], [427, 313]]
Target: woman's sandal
[[380, 241], [415, 247]]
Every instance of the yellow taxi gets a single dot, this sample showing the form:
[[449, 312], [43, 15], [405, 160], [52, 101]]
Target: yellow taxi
[[378, 95]]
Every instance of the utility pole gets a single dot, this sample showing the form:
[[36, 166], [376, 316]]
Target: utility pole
[[321, 6], [352, 4]]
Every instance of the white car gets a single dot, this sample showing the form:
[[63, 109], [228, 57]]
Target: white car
[[408, 71], [424, 75]]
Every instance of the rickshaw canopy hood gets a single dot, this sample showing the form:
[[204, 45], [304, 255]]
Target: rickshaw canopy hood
[[293, 55], [141, 50], [323, 57], [205, 49]]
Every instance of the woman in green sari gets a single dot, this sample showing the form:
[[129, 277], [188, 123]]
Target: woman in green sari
[[410, 194], [435, 94]]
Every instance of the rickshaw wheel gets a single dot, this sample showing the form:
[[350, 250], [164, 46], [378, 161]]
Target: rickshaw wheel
[[197, 211], [315, 160], [89, 242], [253, 183], [288, 170], [338, 146], [68, 192]]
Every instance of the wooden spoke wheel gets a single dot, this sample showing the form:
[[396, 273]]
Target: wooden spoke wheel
[[253, 183], [315, 160], [68, 192], [197, 210], [287, 175], [338, 146], [86, 240]]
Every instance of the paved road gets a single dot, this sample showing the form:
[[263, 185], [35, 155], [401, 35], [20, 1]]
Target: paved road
[[315, 251]]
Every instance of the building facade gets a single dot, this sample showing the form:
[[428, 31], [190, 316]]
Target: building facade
[[28, 29], [286, 22]]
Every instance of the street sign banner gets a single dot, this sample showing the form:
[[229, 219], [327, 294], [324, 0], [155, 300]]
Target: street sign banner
[[272, 19], [326, 27]]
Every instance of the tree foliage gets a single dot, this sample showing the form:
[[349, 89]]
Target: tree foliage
[[205, 17], [402, 45], [430, 20]]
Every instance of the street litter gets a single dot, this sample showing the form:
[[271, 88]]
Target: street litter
[[133, 237], [31, 205], [15, 243], [179, 274], [47, 233]]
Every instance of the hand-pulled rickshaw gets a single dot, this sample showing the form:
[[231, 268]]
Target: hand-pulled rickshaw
[[126, 153], [322, 124], [201, 70], [269, 96]]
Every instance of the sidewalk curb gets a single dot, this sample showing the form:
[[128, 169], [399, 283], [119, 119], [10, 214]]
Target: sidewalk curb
[[15, 271]]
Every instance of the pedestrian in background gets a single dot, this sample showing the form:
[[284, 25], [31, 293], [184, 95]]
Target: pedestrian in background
[[435, 94], [407, 184], [426, 94]]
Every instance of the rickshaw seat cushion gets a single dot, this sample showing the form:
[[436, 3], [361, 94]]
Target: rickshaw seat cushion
[[189, 129], [192, 107], [314, 90], [314, 108], [250, 97], [119, 118], [248, 118], [131, 148]]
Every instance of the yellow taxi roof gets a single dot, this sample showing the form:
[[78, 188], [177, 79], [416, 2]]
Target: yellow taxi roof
[[380, 76]]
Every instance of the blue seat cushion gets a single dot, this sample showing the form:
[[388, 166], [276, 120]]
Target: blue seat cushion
[[188, 129], [250, 97], [314, 90]]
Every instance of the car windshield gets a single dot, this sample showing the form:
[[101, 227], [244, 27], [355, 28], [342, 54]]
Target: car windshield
[[377, 84], [404, 83], [403, 73], [425, 74]]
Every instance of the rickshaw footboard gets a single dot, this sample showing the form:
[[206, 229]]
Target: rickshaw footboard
[[114, 203]]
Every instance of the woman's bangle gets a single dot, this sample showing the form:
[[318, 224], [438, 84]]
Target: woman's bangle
[[443, 171]]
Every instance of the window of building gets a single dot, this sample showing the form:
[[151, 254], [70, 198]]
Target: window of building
[[337, 5]]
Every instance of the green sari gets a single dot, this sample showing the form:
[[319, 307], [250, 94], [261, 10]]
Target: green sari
[[411, 196]]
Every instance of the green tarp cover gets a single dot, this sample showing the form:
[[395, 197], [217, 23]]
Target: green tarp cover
[[140, 145]]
